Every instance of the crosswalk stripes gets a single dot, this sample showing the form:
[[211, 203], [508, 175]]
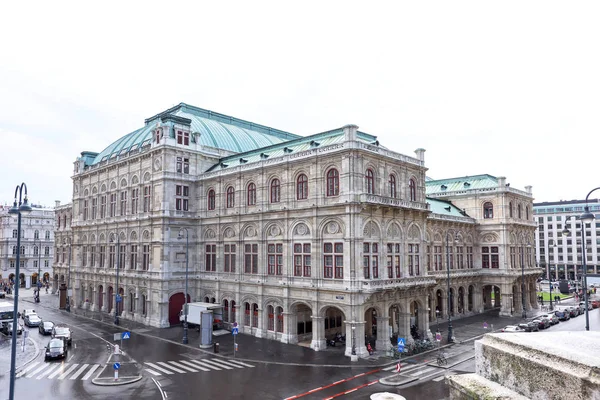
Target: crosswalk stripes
[[59, 371], [158, 368]]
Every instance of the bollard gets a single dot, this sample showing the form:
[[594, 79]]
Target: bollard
[[216, 347]]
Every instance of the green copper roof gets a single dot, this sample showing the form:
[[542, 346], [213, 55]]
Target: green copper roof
[[216, 130], [299, 145], [461, 183], [444, 208]]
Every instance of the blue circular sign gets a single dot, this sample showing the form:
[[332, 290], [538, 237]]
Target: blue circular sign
[[117, 365]]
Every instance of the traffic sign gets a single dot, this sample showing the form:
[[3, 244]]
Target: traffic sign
[[119, 298], [235, 324], [398, 367], [126, 335], [118, 336], [438, 336], [401, 343], [485, 325], [234, 331], [117, 365]]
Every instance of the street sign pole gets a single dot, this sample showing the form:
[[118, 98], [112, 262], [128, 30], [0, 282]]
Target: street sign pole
[[234, 332]]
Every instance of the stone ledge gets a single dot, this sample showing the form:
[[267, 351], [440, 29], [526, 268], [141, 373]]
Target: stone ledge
[[475, 387]]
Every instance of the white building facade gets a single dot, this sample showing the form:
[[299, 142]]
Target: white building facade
[[297, 237], [37, 246], [561, 256]]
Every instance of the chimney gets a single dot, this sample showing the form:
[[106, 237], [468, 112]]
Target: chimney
[[57, 203], [528, 189], [501, 182], [350, 132], [420, 154]]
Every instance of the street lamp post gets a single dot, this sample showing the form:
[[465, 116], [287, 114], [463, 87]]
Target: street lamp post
[[68, 306], [437, 320], [450, 330], [117, 296], [19, 208], [549, 281], [185, 307]]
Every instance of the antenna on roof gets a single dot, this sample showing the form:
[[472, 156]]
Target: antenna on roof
[[448, 208]]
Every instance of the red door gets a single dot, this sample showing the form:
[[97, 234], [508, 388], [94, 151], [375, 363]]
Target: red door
[[175, 306]]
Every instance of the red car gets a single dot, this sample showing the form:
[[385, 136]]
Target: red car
[[595, 303]]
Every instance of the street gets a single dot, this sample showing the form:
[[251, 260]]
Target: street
[[172, 370]]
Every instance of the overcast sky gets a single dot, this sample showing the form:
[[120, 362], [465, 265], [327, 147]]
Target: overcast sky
[[505, 88]]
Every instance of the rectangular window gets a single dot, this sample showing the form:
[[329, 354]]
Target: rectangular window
[[251, 258], [489, 257], [413, 260], [302, 259], [485, 257], [181, 197], [135, 195], [183, 138], [46, 263], [103, 206], [274, 259], [469, 256], [370, 260], [111, 256], [460, 261], [428, 258], [93, 256], [333, 260], [211, 257], [102, 256], [123, 208], [495, 257], [133, 257], [113, 204], [183, 165], [513, 257], [94, 207], [366, 260], [121, 257], [437, 258], [84, 256], [85, 210], [229, 258], [147, 192], [146, 257]]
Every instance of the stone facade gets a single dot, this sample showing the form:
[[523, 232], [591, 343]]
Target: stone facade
[[37, 246], [298, 241]]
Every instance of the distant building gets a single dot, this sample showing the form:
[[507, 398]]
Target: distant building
[[37, 246], [560, 256], [296, 237]]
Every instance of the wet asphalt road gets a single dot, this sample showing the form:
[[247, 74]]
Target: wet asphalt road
[[185, 373]]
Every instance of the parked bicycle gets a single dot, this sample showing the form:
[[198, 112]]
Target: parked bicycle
[[441, 359]]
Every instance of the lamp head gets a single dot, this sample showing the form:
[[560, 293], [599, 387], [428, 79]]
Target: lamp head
[[587, 216], [566, 232], [14, 210], [25, 208]]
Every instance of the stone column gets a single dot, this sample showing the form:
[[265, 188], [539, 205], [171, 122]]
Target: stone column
[[506, 300], [383, 341], [318, 334], [287, 336], [259, 331]]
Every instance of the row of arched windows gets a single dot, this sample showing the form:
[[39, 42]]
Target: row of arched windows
[[332, 188], [36, 234]]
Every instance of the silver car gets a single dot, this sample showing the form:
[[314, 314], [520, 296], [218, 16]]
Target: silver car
[[32, 320]]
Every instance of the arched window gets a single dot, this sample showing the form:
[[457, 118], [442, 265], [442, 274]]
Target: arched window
[[225, 310], [230, 197], [370, 181], [510, 210], [488, 210], [279, 312], [36, 234], [47, 235], [255, 315], [412, 189], [333, 182], [16, 233], [275, 191], [271, 314], [519, 211], [211, 199], [251, 196], [246, 314], [302, 187], [392, 184], [527, 213]]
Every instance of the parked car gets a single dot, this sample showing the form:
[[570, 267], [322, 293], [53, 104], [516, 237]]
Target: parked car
[[543, 322], [582, 306], [45, 327], [56, 348], [552, 317], [512, 328], [531, 326], [8, 328], [62, 332], [2, 294], [573, 311], [27, 311], [32, 320], [562, 315]]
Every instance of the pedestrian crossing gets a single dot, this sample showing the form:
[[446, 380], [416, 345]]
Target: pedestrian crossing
[[419, 371], [159, 368], [58, 371]]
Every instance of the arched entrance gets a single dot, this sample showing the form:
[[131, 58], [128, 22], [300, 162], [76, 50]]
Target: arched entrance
[[34, 279], [46, 277], [11, 278], [111, 298], [452, 297], [461, 300], [415, 320], [470, 298], [100, 297], [55, 284], [176, 302], [439, 303], [371, 326], [22, 280], [491, 297], [301, 330]]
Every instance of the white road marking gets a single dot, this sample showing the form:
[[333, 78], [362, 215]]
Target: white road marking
[[153, 372], [164, 364], [183, 366], [80, 371], [207, 365], [46, 372], [217, 364], [23, 371], [241, 363], [58, 371], [223, 363], [421, 372], [90, 372], [32, 374], [196, 366], [438, 378], [160, 369], [67, 372]]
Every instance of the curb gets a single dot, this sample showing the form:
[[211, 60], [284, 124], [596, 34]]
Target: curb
[[388, 381], [37, 353], [111, 382]]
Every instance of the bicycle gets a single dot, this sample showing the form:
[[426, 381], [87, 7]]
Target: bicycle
[[441, 359]]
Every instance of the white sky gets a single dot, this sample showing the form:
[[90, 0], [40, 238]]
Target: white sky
[[506, 88]]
